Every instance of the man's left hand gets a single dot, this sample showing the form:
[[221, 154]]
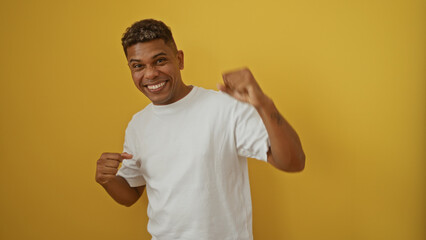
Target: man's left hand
[[241, 85]]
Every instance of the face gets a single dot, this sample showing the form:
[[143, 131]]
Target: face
[[155, 68]]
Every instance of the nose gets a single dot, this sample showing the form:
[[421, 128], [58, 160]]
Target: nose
[[151, 73]]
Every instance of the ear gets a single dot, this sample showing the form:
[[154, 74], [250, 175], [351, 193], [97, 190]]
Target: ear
[[180, 59]]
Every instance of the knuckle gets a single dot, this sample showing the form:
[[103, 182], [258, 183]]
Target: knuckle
[[103, 156], [99, 178]]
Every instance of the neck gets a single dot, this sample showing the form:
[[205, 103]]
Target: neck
[[184, 90]]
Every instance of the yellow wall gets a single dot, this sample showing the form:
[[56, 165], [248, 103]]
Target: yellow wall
[[349, 75]]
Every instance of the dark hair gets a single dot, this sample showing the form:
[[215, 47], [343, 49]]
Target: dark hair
[[147, 30]]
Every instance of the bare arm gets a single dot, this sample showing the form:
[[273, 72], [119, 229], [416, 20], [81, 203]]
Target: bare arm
[[286, 151], [116, 186]]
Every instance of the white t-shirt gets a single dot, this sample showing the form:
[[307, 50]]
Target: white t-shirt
[[191, 155]]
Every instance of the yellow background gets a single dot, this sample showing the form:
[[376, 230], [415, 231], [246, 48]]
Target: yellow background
[[349, 76]]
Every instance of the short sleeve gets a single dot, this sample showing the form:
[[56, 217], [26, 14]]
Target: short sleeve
[[131, 168], [251, 136]]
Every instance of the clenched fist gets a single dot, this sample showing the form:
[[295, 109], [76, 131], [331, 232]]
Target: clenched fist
[[107, 166], [241, 85]]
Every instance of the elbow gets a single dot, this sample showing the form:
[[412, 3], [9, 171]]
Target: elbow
[[295, 163], [126, 204], [298, 168], [302, 159], [298, 164]]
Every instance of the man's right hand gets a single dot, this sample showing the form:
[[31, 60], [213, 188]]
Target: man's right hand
[[107, 166]]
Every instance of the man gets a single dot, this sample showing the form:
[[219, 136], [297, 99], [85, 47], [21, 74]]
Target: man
[[189, 147]]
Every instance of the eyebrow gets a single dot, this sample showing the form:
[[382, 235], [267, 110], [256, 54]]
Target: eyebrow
[[156, 55]]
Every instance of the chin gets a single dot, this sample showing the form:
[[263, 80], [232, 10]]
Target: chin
[[160, 101]]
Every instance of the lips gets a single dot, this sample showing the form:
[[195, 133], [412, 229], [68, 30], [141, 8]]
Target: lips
[[156, 87]]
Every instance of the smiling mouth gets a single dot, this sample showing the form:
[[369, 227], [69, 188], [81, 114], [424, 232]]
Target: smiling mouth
[[156, 87]]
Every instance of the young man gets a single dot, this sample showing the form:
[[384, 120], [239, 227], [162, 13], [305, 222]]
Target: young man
[[189, 147]]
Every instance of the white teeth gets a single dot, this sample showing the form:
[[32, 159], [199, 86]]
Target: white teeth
[[153, 87]]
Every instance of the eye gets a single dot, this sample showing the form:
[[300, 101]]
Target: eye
[[161, 61], [136, 67]]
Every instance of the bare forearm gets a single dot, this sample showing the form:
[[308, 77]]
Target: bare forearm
[[116, 186], [286, 151], [121, 192]]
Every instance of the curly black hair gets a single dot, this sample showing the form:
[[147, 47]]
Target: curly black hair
[[147, 30]]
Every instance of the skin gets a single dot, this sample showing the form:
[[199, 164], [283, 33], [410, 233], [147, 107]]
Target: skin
[[151, 63], [116, 186], [155, 63], [286, 151]]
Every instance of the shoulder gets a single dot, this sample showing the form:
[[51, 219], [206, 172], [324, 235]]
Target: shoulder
[[215, 97], [221, 105], [140, 116], [224, 99], [145, 111]]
